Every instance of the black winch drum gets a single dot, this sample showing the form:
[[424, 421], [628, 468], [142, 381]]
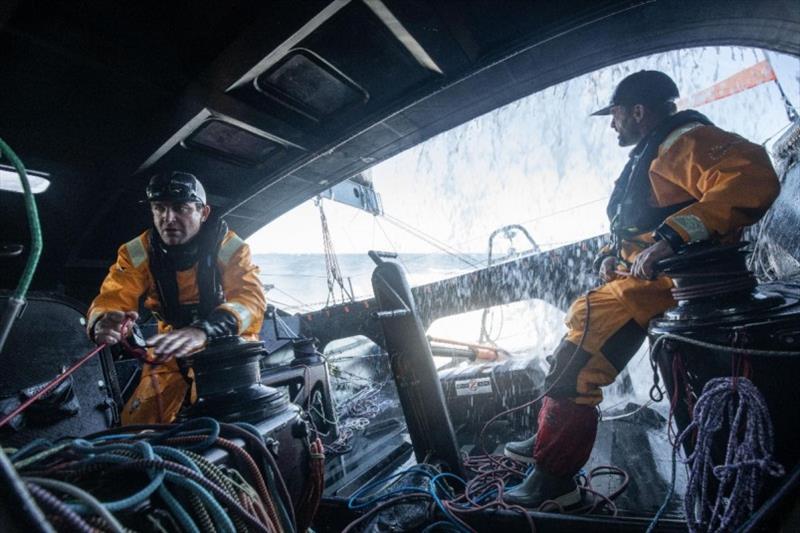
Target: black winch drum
[[759, 317], [228, 380]]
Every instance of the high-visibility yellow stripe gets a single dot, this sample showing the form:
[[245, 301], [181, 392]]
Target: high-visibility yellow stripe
[[229, 248], [672, 137], [242, 313], [693, 226], [137, 251]]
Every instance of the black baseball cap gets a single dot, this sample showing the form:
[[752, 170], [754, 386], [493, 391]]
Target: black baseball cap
[[643, 87], [175, 187]]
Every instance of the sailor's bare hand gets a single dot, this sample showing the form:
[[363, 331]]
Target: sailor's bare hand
[[644, 264], [108, 328], [608, 268], [178, 343]]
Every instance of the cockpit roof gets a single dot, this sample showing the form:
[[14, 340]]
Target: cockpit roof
[[270, 103]]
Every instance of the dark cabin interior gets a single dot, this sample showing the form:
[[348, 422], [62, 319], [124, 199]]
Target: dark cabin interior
[[272, 103]]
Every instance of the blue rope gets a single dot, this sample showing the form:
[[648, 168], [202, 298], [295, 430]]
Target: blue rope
[[29, 449], [177, 456], [434, 478], [212, 427], [148, 452], [432, 488], [185, 519], [177, 510], [114, 436], [670, 492], [137, 498], [110, 450], [217, 512], [417, 469], [221, 518]]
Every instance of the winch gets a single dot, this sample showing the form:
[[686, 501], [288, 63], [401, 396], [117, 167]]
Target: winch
[[228, 381], [727, 324]]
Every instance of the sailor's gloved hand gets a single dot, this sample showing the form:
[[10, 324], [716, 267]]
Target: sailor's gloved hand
[[218, 324], [644, 264], [178, 343], [607, 269], [108, 328]]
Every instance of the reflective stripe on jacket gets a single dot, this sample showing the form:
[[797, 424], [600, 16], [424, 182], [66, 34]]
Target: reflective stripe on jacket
[[163, 389], [129, 279], [731, 179]]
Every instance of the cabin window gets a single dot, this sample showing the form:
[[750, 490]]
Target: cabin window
[[540, 162], [9, 180]]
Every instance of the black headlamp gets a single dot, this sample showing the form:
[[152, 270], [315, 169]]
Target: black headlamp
[[175, 187]]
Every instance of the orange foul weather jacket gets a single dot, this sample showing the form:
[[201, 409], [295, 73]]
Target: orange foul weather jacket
[[163, 389], [724, 183], [728, 182]]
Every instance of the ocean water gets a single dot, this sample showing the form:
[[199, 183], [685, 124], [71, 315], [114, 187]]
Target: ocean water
[[300, 281]]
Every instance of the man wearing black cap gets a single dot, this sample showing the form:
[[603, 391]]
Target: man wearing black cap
[[686, 181], [198, 280]]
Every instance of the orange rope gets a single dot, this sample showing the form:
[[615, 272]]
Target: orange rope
[[316, 483]]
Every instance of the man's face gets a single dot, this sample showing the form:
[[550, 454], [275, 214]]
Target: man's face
[[627, 127], [178, 222]]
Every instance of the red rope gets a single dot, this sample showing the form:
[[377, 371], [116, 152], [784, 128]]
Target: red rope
[[52, 385], [309, 502], [245, 458]]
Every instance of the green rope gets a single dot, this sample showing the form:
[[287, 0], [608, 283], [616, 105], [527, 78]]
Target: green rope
[[33, 220], [215, 474]]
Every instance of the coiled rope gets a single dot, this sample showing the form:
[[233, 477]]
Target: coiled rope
[[736, 406]]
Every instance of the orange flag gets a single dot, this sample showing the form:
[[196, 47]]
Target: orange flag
[[741, 81]]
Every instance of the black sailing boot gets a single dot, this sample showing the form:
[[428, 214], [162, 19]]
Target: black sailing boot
[[540, 487], [521, 450]]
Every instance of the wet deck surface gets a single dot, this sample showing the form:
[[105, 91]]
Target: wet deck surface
[[637, 444], [377, 450]]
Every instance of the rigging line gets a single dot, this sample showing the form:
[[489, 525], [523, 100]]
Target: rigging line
[[394, 248], [289, 295], [285, 326], [785, 126], [454, 270], [316, 306], [542, 217], [290, 275], [425, 236], [283, 305], [791, 112], [469, 263], [306, 308], [457, 254], [334, 271], [419, 231]]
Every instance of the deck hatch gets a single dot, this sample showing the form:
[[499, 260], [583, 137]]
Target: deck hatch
[[310, 85], [232, 143]]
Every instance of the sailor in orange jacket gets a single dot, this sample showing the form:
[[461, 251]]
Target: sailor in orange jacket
[[686, 181], [197, 278]]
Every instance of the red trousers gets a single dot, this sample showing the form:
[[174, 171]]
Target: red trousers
[[565, 437], [590, 357]]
